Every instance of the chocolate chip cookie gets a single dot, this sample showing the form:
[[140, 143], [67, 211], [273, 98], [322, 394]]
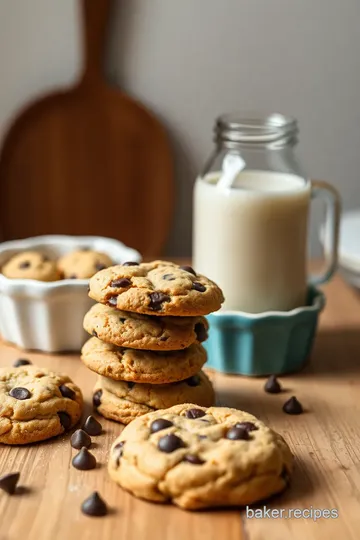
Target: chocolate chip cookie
[[123, 401], [156, 288], [82, 264], [31, 265], [154, 367], [198, 457], [36, 404], [136, 331]]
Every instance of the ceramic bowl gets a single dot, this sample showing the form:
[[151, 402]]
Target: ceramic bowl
[[273, 342], [48, 316]]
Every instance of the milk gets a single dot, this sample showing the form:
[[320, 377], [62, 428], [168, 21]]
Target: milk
[[252, 239]]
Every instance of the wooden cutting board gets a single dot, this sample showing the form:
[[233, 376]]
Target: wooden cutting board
[[88, 160]]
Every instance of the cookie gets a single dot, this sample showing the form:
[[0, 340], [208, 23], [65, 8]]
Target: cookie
[[156, 288], [136, 331], [82, 264], [125, 401], [36, 404], [154, 367], [198, 457], [31, 265]]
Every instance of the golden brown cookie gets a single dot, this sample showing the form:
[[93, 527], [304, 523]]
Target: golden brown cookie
[[36, 404], [123, 401], [31, 265], [156, 288], [198, 457], [82, 263], [154, 367], [136, 331]]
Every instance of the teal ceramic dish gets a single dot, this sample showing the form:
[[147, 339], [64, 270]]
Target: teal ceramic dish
[[266, 343]]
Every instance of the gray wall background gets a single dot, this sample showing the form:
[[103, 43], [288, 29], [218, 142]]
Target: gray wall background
[[190, 60]]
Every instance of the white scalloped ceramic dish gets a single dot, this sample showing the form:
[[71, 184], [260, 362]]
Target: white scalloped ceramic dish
[[48, 316]]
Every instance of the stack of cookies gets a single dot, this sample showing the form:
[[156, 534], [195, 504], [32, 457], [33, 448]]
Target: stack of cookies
[[147, 331]]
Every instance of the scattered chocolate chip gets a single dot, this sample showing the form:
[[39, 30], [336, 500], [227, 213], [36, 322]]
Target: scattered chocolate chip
[[130, 263], [80, 439], [249, 426], [198, 286], [65, 419], [24, 264], [67, 392], [170, 443], [94, 333], [194, 413], [194, 380], [122, 282], [72, 276], [194, 460], [20, 393], [92, 426], [94, 505], [130, 384], [169, 277], [188, 269], [100, 266], [8, 482], [112, 301], [97, 399], [237, 434], [21, 362], [164, 338], [292, 406], [118, 451], [159, 424], [272, 385], [122, 319], [84, 460], [201, 332], [156, 299]]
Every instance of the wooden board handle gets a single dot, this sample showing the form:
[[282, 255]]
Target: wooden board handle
[[95, 18]]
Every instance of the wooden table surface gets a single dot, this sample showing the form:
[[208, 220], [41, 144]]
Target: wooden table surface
[[325, 441]]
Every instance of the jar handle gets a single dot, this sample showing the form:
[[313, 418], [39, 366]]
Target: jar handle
[[323, 190]]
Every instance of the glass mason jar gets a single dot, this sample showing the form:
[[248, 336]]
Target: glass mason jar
[[251, 213]]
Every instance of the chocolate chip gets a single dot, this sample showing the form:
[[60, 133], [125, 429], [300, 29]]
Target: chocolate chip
[[194, 380], [24, 264], [130, 263], [118, 451], [112, 301], [94, 333], [92, 426], [21, 362], [194, 413], [169, 277], [198, 286], [20, 393], [292, 406], [67, 392], [249, 426], [80, 439], [272, 385], [159, 424], [237, 434], [122, 319], [97, 399], [122, 282], [100, 266], [188, 269], [94, 505], [164, 338], [72, 276], [8, 482], [156, 300], [84, 460], [201, 332], [65, 419], [170, 443], [194, 460], [130, 384]]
